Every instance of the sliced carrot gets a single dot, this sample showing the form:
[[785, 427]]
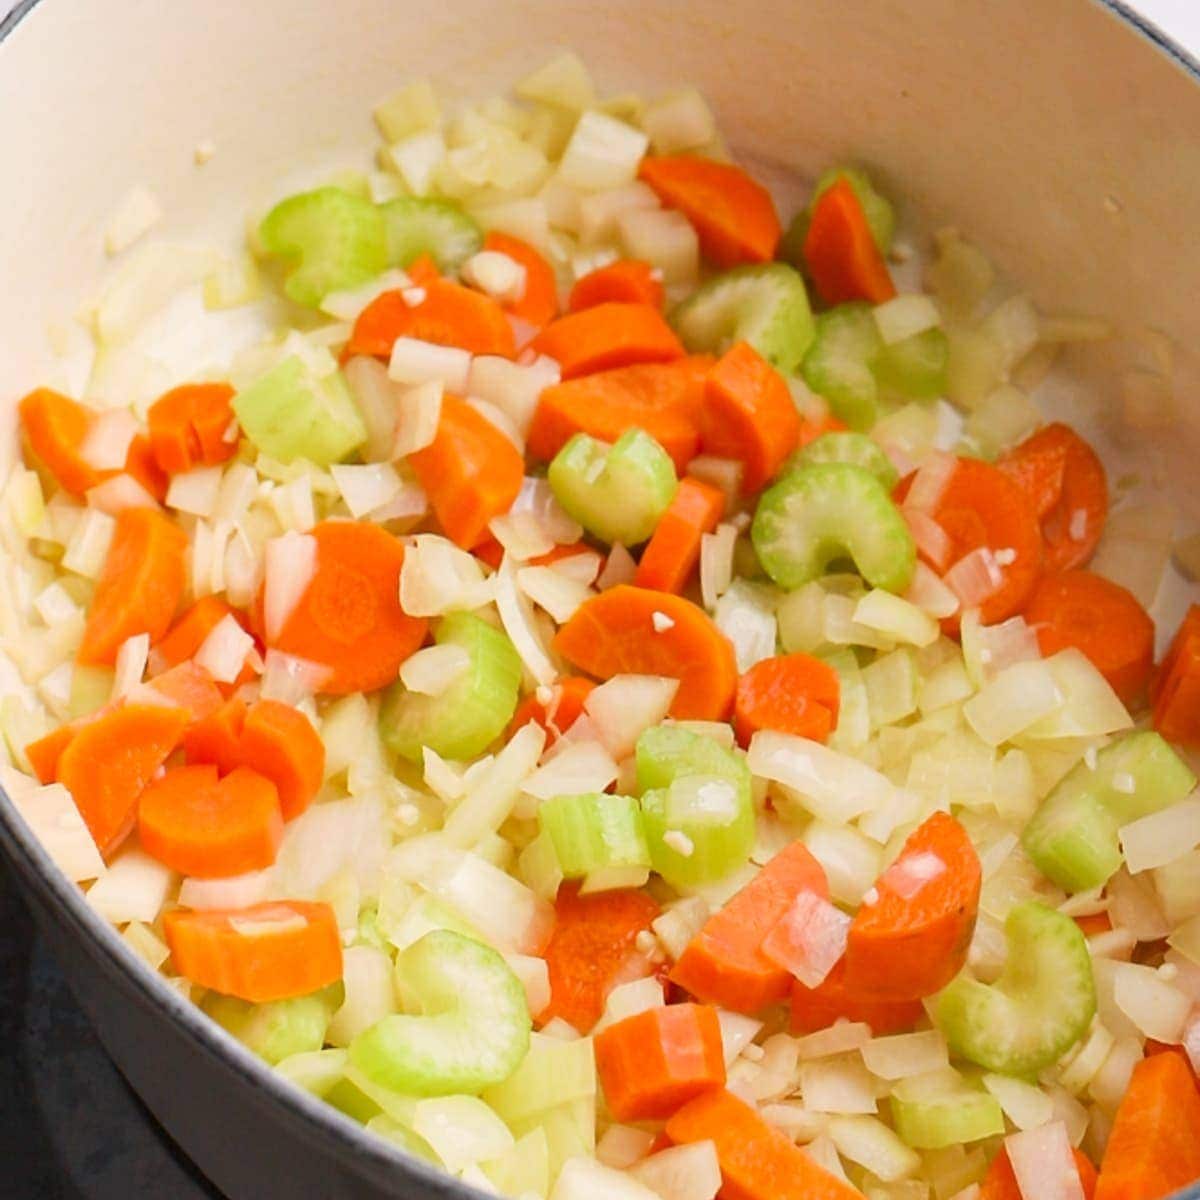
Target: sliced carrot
[[627, 281], [1099, 618], [592, 950], [1185, 642], [279, 742], [1154, 1146], [422, 271], [757, 1161], [908, 944], [615, 633], [266, 952], [1175, 690], [190, 687], [607, 336], [216, 739], [1156, 1047], [673, 550], [1067, 486], [655, 1061], [811, 428], [211, 828], [349, 618], [819, 1007], [793, 693], [979, 508], [140, 586], [448, 315], [733, 215], [723, 963], [1000, 1183], [663, 399], [143, 466], [840, 252], [749, 415], [490, 551], [1093, 923], [538, 304], [188, 634], [44, 754], [188, 426], [471, 472], [559, 713], [110, 760]]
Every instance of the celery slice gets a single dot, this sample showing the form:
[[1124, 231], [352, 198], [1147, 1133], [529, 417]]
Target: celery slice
[[881, 217], [418, 226], [665, 753], [838, 363], [1072, 838], [400, 1135], [765, 305], [554, 1072], [699, 830], [932, 1119], [316, 1071], [819, 514], [854, 448], [472, 712], [337, 241], [915, 366], [1041, 1005], [523, 1170], [279, 1029], [288, 414], [472, 1030], [594, 831], [617, 493]]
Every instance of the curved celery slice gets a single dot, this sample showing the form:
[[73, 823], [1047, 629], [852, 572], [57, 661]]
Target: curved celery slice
[[838, 363], [618, 492], [1041, 1005], [279, 1029], [854, 448], [915, 366], [316, 1071], [288, 414], [472, 712], [402, 1136], [1072, 838], [881, 217], [418, 226], [765, 305], [932, 1116], [699, 830], [816, 515], [472, 1030], [337, 241], [665, 753], [594, 831], [554, 1072]]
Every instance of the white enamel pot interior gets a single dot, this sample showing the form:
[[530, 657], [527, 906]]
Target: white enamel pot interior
[[1061, 135]]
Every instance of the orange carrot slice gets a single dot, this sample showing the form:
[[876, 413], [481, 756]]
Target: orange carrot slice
[[538, 304], [44, 754], [1175, 690], [140, 586], [558, 714], [792, 693], [188, 426], [733, 215], [280, 743], [217, 738], [471, 472], [266, 952], [616, 633], [673, 550], [840, 252], [607, 336], [190, 687], [628, 281], [1000, 1183], [819, 1007]]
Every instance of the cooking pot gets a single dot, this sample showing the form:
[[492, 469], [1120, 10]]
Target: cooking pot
[[1063, 135]]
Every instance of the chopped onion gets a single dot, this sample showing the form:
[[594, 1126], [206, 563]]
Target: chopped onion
[[367, 487], [414, 361], [291, 564], [1157, 1009], [497, 274], [906, 1055], [679, 923], [138, 212], [516, 616], [620, 567], [905, 316], [237, 891], [500, 419], [134, 888], [679, 121], [850, 860], [195, 491], [293, 504], [522, 535], [1090, 706], [580, 768], [930, 482], [583, 1178], [557, 594], [1161, 837], [119, 492], [525, 218], [583, 567], [620, 1146], [625, 706], [716, 563], [51, 815], [416, 159], [461, 1130], [1024, 1104], [838, 1084], [600, 211], [1017, 698], [54, 605], [690, 1172], [932, 541], [911, 872], [444, 780], [976, 577], [808, 939], [1111, 1081], [131, 664], [665, 239], [896, 618], [602, 153], [629, 999], [990, 649], [868, 1142], [493, 793], [535, 979], [723, 473], [378, 401], [537, 499], [87, 550], [745, 615], [289, 679], [1136, 546], [1043, 1163], [345, 305], [223, 652], [144, 283], [369, 994], [420, 410], [930, 595], [437, 577], [514, 388], [737, 1032], [432, 670], [839, 1038]]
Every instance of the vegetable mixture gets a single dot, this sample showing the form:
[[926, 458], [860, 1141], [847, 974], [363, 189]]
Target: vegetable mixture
[[610, 693]]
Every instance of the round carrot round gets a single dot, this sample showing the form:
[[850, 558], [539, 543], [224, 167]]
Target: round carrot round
[[188, 425], [349, 618], [840, 251], [1099, 618], [538, 304], [559, 713], [607, 336], [279, 742], [216, 738], [673, 550], [211, 828], [1066, 484], [793, 693], [628, 281], [631, 630], [819, 1007]]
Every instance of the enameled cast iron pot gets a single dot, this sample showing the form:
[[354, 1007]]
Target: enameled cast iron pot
[[1064, 135]]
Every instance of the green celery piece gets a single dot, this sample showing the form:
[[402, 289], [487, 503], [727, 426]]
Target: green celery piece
[[554, 1072], [400, 1135], [1072, 838], [472, 712], [838, 363], [335, 239], [816, 515], [714, 814], [932, 1120], [348, 1098], [425, 914], [765, 305], [316, 1071], [1041, 1005], [594, 831], [665, 753], [618, 492], [472, 1030], [854, 448], [524, 1169], [278, 1029], [417, 226], [916, 366], [288, 414], [881, 217], [91, 688]]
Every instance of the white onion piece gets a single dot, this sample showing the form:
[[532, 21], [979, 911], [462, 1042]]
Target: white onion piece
[[929, 594], [290, 679], [1161, 837], [414, 361], [377, 398], [905, 316], [1024, 1104], [629, 999], [552, 591], [1157, 1009], [443, 779], [620, 567], [345, 305], [690, 1172], [868, 1142], [1043, 1163], [522, 535], [1018, 697], [716, 563], [106, 444], [620, 1146], [51, 814], [577, 770], [494, 791], [932, 541], [897, 618], [291, 563], [537, 499], [366, 487], [195, 491], [930, 482], [131, 664], [119, 492], [602, 153], [625, 706], [906, 1055], [236, 891], [437, 577], [369, 994], [666, 240], [911, 872], [583, 1178], [512, 387], [839, 1084], [840, 1038], [600, 211], [737, 1032], [134, 888], [744, 615], [975, 578], [680, 120], [582, 567], [809, 939], [495, 273], [516, 616], [432, 670], [1090, 706], [409, 504], [223, 653], [500, 419]]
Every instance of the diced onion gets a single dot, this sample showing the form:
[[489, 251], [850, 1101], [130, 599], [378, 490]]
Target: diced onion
[[679, 121], [444, 780], [1018, 697], [290, 679], [868, 1142], [131, 664], [911, 872], [417, 158], [625, 706], [690, 1172], [932, 541], [1024, 1104], [414, 361], [522, 535], [500, 419], [905, 316], [1161, 837], [516, 616], [1157, 1009], [512, 387], [419, 411], [367, 487], [600, 211], [134, 888], [580, 768], [839, 1084], [620, 1146], [745, 616], [930, 595], [808, 939], [906, 1055], [620, 567], [850, 860], [195, 491], [369, 994], [716, 563], [1090, 706], [437, 577], [119, 492], [930, 482], [347, 304], [629, 999], [497, 274], [87, 550], [154, 274], [737, 1032], [976, 577], [432, 670], [602, 153], [897, 618], [223, 652], [665, 239], [1043, 1163], [535, 979], [291, 564], [839, 1038], [237, 891], [51, 814]]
